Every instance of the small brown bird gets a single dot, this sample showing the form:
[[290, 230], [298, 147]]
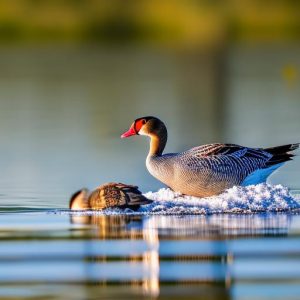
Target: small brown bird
[[109, 195]]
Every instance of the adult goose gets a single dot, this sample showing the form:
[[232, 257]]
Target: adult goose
[[109, 195], [209, 169]]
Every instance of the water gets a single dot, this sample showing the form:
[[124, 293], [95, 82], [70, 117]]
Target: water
[[62, 111], [86, 257]]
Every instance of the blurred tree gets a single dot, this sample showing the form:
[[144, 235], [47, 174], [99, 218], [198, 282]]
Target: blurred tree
[[160, 22]]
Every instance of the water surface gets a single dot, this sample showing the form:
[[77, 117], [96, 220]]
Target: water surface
[[55, 256], [62, 112]]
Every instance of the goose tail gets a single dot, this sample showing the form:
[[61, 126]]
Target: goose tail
[[281, 154], [137, 199], [134, 195]]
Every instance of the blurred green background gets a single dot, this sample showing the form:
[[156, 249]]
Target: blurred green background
[[74, 74], [172, 23]]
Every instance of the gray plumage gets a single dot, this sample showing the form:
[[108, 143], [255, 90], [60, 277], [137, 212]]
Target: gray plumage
[[209, 169]]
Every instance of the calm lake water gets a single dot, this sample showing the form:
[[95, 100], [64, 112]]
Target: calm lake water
[[53, 256], [62, 112]]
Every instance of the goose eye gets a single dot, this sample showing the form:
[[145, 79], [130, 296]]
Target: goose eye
[[144, 121]]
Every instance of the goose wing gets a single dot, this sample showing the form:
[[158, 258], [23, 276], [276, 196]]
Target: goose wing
[[224, 162], [234, 162], [237, 151], [117, 195]]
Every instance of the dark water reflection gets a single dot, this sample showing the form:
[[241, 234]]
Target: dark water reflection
[[86, 257]]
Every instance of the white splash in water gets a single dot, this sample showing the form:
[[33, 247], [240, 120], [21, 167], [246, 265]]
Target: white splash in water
[[254, 198], [250, 199]]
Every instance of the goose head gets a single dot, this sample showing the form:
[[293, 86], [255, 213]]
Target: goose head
[[79, 200], [153, 128], [144, 126]]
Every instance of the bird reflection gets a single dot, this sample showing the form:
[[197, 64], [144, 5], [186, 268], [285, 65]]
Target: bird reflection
[[164, 237], [129, 227], [113, 226]]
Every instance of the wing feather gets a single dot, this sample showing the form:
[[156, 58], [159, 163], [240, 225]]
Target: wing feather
[[224, 162], [228, 149]]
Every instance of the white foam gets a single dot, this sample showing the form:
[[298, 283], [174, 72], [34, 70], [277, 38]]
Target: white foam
[[250, 199]]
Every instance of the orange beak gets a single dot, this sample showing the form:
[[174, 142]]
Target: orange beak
[[129, 133]]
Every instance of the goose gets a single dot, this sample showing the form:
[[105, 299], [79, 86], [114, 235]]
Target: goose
[[108, 195], [207, 170]]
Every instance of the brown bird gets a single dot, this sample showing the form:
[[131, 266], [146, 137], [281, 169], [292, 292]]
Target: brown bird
[[109, 195]]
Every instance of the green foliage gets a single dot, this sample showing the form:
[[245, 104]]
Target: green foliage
[[162, 22]]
